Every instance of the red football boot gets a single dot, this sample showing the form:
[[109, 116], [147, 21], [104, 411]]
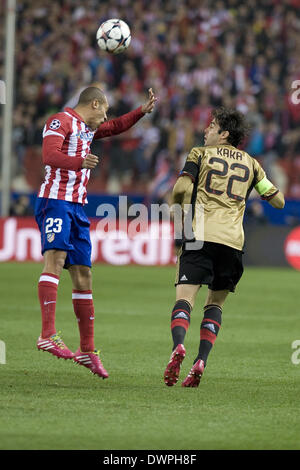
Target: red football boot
[[195, 374], [92, 361], [55, 346], [171, 374]]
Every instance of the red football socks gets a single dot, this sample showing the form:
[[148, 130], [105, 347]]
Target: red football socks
[[47, 291], [84, 310]]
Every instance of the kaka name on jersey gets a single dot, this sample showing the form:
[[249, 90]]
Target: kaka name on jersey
[[229, 153]]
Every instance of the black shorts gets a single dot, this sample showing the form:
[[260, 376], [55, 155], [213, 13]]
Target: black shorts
[[218, 266]]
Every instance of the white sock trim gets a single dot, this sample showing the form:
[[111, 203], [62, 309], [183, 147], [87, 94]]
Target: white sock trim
[[46, 278], [82, 296]]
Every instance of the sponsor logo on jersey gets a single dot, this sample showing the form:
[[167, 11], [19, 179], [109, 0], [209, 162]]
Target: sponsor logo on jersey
[[55, 124], [88, 136]]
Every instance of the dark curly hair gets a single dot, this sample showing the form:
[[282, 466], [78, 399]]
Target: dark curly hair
[[234, 122]]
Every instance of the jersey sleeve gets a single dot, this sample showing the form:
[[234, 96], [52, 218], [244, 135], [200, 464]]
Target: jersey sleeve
[[192, 164], [262, 185], [119, 124], [55, 132], [58, 125]]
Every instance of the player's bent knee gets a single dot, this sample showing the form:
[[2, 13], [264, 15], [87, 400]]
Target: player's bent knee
[[216, 297], [81, 277], [54, 261]]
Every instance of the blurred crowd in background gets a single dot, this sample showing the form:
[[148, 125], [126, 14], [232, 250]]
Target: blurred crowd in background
[[196, 55]]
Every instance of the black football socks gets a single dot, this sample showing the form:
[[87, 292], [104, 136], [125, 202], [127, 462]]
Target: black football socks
[[180, 321], [209, 330]]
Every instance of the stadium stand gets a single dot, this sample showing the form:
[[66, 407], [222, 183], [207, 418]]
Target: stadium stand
[[195, 55]]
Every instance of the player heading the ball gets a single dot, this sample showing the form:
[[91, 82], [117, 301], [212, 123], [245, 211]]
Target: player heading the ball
[[64, 226]]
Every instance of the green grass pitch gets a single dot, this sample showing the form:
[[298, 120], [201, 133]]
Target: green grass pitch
[[248, 397]]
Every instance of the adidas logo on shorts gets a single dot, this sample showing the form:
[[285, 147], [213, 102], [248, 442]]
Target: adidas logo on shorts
[[183, 278]]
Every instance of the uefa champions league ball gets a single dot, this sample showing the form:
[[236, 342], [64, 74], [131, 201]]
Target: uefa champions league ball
[[113, 36]]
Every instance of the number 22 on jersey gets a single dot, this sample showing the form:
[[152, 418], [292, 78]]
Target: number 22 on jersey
[[221, 173]]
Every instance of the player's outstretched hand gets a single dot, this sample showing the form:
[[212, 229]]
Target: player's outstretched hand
[[90, 161], [149, 105]]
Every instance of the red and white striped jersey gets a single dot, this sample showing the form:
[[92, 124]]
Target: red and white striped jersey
[[66, 142]]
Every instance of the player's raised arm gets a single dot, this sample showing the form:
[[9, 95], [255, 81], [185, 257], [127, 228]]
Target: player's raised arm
[[150, 103], [126, 121]]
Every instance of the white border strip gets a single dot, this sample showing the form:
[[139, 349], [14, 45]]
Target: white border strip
[[82, 296], [45, 278]]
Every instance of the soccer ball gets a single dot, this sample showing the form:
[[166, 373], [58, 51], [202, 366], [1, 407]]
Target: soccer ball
[[113, 36]]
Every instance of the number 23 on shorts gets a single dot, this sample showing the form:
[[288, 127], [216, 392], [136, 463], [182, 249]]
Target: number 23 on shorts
[[53, 225]]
